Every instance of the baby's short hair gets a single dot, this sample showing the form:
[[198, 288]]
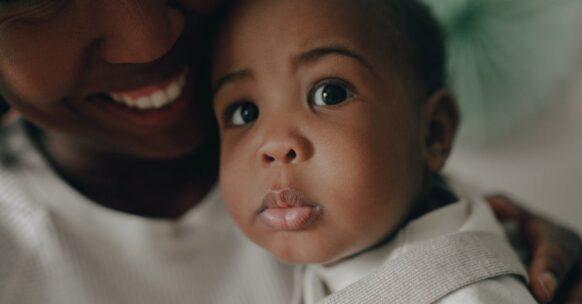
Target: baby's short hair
[[417, 42]]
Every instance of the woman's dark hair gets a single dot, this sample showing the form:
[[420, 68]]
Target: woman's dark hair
[[4, 107]]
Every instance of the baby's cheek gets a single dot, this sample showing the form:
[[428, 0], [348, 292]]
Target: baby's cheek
[[366, 197], [237, 187], [229, 175]]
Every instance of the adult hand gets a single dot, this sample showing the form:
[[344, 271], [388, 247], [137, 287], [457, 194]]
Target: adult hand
[[556, 260]]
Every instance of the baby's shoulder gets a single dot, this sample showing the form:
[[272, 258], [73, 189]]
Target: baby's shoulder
[[506, 289]]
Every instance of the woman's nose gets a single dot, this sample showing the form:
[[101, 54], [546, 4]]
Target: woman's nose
[[292, 149], [137, 31]]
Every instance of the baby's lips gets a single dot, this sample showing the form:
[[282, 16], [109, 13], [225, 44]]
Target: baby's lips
[[288, 210], [290, 218], [285, 198]]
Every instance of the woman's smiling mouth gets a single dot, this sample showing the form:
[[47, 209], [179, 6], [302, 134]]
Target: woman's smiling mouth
[[153, 96], [158, 104]]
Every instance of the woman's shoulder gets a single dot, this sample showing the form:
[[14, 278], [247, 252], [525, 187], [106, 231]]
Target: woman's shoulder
[[21, 221], [21, 228], [14, 145], [15, 153]]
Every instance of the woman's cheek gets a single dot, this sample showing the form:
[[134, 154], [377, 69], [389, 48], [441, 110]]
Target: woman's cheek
[[41, 61], [37, 73]]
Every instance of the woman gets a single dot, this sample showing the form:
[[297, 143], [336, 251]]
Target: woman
[[107, 195]]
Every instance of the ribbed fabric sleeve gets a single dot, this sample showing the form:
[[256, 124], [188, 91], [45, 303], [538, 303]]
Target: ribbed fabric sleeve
[[56, 247]]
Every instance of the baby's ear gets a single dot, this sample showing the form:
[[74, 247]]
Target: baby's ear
[[440, 120]]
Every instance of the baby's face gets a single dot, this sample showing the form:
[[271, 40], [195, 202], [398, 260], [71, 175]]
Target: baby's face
[[322, 151]]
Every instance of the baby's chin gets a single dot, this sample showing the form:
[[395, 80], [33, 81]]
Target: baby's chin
[[303, 257], [299, 249]]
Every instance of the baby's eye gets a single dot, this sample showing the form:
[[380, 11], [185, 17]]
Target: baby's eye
[[329, 93], [243, 113]]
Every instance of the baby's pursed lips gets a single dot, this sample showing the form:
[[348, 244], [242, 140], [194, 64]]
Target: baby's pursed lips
[[288, 210], [285, 198]]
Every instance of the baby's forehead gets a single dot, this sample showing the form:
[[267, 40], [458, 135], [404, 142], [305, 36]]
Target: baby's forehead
[[401, 35], [257, 32], [303, 23]]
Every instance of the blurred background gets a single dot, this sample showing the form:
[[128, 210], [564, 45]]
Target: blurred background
[[516, 68]]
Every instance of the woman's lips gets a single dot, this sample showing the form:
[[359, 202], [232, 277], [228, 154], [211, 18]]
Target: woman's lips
[[143, 107], [288, 210], [153, 96]]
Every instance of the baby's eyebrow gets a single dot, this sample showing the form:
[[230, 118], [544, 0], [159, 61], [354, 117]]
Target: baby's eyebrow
[[335, 49], [230, 77]]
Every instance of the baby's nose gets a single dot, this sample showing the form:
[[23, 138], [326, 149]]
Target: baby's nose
[[278, 153], [291, 150]]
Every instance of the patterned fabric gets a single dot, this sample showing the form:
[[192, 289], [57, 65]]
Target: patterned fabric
[[433, 269]]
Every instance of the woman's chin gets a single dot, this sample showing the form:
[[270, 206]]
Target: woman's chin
[[165, 154], [164, 149]]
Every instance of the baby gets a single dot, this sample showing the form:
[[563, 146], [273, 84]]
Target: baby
[[335, 121]]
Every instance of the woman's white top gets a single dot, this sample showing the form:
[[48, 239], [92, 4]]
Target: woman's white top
[[463, 216], [58, 247]]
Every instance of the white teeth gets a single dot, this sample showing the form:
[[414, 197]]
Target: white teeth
[[155, 100], [143, 103], [174, 90], [159, 99]]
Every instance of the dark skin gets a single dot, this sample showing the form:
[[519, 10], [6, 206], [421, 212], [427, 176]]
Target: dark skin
[[57, 57], [142, 187], [118, 45], [550, 265]]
